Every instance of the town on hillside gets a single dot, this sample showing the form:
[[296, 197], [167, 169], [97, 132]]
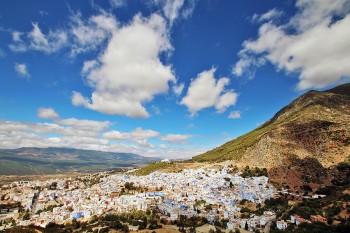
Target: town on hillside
[[193, 200]]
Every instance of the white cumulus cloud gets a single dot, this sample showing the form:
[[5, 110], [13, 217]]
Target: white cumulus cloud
[[89, 34], [178, 89], [117, 3], [314, 44], [78, 36], [139, 136], [47, 113], [77, 99], [270, 15], [175, 9], [16, 36], [83, 124], [22, 70], [37, 40], [85, 134], [79, 124], [205, 91], [176, 138], [26, 135], [163, 146], [88, 66], [235, 115], [130, 71]]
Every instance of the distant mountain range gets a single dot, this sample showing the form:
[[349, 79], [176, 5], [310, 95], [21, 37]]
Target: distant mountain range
[[31, 160], [315, 125]]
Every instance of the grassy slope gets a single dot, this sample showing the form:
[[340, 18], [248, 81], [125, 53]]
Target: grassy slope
[[306, 107], [152, 167], [235, 149]]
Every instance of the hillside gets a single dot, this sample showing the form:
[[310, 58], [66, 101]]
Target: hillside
[[27, 161], [315, 125]]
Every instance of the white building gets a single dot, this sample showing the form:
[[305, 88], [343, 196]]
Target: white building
[[281, 225], [231, 225]]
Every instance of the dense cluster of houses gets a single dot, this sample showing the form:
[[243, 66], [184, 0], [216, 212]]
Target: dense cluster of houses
[[208, 193]]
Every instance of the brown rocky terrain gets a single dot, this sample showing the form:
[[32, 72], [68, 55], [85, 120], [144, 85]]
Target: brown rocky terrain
[[300, 145], [315, 125]]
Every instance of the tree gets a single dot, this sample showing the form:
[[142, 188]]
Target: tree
[[104, 230], [125, 228], [13, 223], [93, 219], [193, 229], [129, 185], [75, 223], [154, 225], [53, 186], [163, 221], [231, 185], [117, 225], [26, 216], [208, 207], [224, 223], [330, 220]]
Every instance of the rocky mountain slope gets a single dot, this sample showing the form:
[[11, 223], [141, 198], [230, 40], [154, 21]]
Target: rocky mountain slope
[[314, 126], [27, 161]]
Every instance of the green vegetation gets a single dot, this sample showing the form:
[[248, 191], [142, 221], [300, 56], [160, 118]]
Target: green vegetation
[[20, 230], [50, 208], [333, 207], [143, 220], [152, 167], [278, 205], [343, 166], [191, 223], [199, 203], [251, 172], [236, 148], [306, 208], [130, 188], [305, 109], [105, 223]]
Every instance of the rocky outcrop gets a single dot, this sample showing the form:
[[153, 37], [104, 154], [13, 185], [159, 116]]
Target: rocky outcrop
[[315, 125]]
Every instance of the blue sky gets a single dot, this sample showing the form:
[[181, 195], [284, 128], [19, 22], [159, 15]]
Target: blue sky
[[161, 78]]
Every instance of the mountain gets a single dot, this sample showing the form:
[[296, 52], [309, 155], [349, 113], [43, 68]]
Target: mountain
[[315, 126], [31, 160]]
